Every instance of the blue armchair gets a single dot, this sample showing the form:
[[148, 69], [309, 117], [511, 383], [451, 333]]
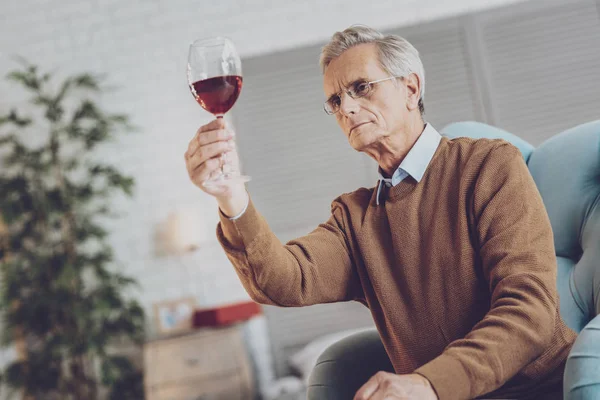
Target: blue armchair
[[566, 169]]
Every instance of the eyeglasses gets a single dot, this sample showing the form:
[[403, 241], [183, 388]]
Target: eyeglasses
[[356, 90]]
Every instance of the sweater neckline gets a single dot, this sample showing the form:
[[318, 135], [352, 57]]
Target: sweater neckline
[[409, 183]]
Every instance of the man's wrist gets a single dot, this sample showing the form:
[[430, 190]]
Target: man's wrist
[[238, 215], [427, 383], [235, 205]]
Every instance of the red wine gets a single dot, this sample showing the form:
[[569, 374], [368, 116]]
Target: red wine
[[217, 95]]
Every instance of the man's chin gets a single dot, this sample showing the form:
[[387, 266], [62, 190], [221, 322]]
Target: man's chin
[[360, 140]]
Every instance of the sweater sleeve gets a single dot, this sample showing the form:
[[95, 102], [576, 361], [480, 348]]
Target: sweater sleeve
[[517, 255], [316, 268]]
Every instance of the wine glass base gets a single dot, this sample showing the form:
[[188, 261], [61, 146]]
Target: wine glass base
[[225, 180]]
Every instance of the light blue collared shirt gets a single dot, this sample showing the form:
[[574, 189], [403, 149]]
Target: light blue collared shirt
[[415, 162]]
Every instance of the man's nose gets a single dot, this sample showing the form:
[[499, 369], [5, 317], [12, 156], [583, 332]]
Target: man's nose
[[348, 105]]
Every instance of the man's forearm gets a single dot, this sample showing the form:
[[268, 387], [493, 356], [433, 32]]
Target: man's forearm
[[290, 274], [499, 346]]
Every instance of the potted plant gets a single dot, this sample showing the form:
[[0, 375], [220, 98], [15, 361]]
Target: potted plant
[[61, 298]]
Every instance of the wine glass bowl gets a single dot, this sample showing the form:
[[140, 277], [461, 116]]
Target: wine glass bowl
[[217, 95]]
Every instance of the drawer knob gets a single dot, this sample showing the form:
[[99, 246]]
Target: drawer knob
[[192, 361]]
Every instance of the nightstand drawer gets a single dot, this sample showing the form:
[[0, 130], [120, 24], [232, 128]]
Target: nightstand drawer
[[188, 358], [226, 387]]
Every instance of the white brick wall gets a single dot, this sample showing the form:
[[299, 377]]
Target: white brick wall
[[142, 47]]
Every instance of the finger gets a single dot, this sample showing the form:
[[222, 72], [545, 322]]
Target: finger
[[207, 152], [214, 136], [396, 394], [380, 394], [367, 390], [217, 123], [207, 170], [214, 125], [387, 390], [208, 137]]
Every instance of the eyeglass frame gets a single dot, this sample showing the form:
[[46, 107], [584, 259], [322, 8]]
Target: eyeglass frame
[[354, 95]]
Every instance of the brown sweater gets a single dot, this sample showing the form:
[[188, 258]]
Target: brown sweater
[[458, 271]]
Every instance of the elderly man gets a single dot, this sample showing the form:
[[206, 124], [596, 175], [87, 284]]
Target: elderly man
[[451, 251]]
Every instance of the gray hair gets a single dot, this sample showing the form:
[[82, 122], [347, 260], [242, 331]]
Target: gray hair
[[396, 55]]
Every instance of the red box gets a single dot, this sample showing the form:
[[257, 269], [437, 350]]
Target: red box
[[225, 315]]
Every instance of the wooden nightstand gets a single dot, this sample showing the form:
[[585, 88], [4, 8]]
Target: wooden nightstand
[[210, 363]]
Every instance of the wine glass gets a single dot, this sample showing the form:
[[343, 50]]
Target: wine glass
[[214, 74]]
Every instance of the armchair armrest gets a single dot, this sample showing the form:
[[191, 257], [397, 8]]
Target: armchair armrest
[[582, 372]]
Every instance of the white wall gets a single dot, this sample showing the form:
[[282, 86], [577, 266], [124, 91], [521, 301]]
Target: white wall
[[142, 47]]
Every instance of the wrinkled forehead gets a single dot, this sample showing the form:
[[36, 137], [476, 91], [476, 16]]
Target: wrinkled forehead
[[358, 62]]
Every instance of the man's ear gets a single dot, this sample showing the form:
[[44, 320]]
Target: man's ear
[[413, 91]]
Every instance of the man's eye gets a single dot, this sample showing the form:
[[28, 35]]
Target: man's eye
[[335, 101], [361, 88]]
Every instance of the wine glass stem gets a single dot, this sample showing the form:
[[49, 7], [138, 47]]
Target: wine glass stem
[[223, 157]]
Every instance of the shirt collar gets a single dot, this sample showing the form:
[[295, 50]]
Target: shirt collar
[[417, 160]]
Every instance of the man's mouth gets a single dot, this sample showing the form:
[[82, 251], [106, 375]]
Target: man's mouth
[[359, 125]]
